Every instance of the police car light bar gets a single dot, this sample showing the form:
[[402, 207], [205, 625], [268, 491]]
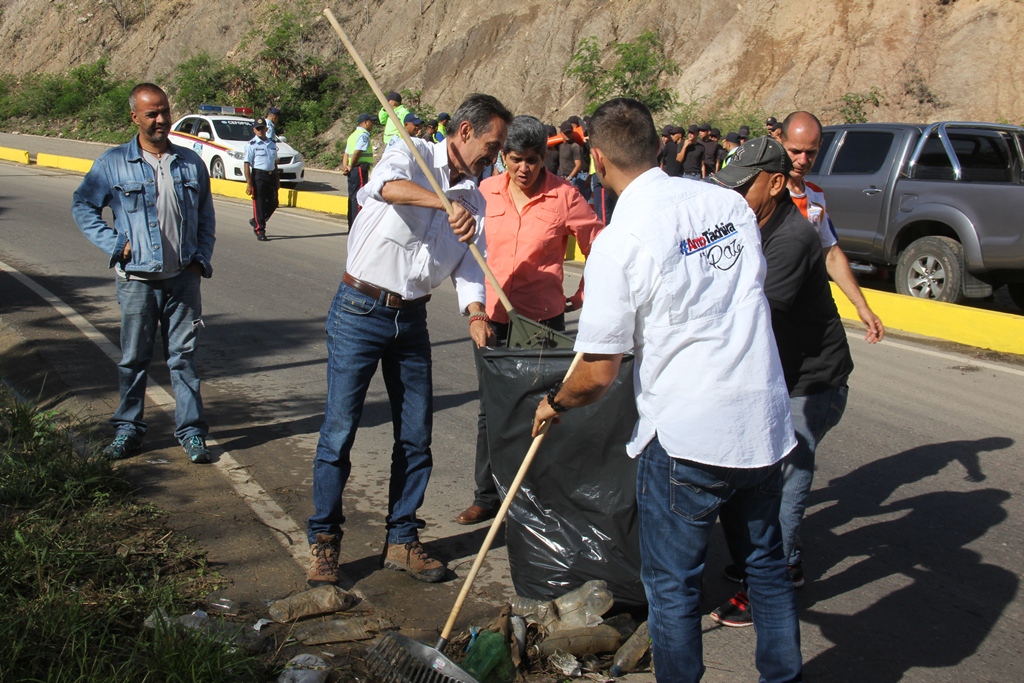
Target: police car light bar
[[228, 111]]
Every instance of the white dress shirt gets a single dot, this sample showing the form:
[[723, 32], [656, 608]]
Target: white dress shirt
[[678, 277], [410, 250]]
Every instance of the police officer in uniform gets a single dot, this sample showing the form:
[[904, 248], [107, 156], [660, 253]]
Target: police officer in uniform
[[261, 178], [357, 162]]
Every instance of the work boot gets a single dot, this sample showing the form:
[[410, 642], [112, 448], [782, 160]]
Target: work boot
[[413, 558], [323, 565]]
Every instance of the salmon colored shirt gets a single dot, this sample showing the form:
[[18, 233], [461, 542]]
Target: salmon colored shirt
[[526, 251]]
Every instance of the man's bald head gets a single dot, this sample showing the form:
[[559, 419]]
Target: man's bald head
[[801, 136], [801, 121]]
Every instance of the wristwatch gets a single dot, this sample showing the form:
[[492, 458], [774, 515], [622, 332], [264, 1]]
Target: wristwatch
[[555, 405]]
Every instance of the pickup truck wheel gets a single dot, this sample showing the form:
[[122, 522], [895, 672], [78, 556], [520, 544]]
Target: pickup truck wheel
[[1017, 293], [932, 268], [217, 168]]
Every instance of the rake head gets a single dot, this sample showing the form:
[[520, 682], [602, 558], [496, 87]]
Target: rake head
[[398, 659]]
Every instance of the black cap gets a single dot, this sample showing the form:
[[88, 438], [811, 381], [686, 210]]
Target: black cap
[[771, 121], [694, 128], [566, 127], [396, 96], [733, 137], [259, 123], [443, 116], [705, 128], [668, 129], [744, 131], [576, 121], [363, 118], [715, 133], [273, 110], [413, 119], [551, 130], [432, 123], [752, 157]]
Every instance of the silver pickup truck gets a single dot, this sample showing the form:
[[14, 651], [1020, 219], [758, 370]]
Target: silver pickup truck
[[943, 203]]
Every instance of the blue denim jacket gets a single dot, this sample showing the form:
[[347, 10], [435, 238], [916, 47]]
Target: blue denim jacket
[[122, 180]]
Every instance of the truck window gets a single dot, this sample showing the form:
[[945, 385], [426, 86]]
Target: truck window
[[986, 156], [826, 141], [933, 163], [862, 153]]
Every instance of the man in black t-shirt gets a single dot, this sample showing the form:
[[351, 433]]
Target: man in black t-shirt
[[691, 153], [670, 162], [810, 336]]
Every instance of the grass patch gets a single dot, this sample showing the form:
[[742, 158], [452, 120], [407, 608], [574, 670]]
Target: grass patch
[[82, 564]]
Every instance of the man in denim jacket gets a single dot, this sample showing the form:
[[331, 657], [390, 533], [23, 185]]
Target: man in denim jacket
[[160, 244]]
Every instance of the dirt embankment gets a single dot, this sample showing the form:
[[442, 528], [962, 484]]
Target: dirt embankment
[[928, 59]]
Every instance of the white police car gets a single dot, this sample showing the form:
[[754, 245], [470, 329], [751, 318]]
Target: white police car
[[219, 135]]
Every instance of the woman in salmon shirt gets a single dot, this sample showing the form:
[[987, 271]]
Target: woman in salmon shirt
[[530, 215]]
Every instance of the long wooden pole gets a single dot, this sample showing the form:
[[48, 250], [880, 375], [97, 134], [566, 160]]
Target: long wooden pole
[[400, 125]]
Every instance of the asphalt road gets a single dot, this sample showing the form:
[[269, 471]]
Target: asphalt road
[[913, 536]]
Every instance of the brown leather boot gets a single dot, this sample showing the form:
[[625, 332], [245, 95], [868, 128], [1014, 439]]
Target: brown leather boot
[[323, 565], [413, 558]]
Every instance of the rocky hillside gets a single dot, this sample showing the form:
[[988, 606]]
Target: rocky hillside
[[927, 59]]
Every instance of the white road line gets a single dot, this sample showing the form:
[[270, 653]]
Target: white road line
[[855, 336], [289, 534]]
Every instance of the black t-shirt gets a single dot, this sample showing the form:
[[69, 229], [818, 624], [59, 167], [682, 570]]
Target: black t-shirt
[[810, 336], [551, 159], [693, 160], [568, 154], [710, 154], [672, 167]]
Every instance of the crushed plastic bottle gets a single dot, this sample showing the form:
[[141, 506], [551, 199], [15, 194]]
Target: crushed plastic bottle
[[348, 630], [222, 605], [631, 651], [584, 606], [305, 669], [320, 600], [235, 635], [595, 640], [543, 613]]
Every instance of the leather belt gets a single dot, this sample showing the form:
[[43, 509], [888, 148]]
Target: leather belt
[[383, 296]]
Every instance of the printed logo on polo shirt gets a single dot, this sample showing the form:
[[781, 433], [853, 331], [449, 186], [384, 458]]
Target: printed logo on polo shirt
[[815, 213], [720, 246], [467, 206]]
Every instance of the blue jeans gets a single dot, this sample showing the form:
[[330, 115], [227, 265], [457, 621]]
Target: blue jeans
[[813, 416], [176, 307], [361, 332], [678, 502]]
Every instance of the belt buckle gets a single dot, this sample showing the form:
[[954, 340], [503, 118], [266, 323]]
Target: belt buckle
[[392, 300]]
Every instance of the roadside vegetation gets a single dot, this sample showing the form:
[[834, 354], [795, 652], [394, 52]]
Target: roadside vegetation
[[82, 564]]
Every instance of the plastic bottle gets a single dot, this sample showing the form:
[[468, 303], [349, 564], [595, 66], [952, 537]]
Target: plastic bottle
[[594, 640], [631, 651], [220, 631], [340, 630], [488, 655], [584, 606], [305, 669], [320, 600]]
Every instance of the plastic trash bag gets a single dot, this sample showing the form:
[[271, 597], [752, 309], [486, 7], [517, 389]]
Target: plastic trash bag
[[575, 518]]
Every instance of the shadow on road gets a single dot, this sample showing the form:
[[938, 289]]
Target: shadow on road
[[304, 237], [939, 599]]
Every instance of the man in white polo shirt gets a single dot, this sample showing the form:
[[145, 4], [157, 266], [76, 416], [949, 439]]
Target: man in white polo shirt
[[677, 279]]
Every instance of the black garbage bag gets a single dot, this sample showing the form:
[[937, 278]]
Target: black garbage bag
[[574, 518]]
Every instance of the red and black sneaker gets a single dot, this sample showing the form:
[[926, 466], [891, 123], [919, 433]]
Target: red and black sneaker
[[735, 613]]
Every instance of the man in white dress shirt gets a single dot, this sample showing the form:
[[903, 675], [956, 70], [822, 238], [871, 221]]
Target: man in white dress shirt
[[401, 246], [677, 278]]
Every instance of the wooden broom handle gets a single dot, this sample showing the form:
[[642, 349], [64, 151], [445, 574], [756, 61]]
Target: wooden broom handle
[[400, 125]]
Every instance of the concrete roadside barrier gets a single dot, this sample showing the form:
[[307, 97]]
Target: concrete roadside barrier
[[63, 163], [992, 330], [18, 156], [324, 203]]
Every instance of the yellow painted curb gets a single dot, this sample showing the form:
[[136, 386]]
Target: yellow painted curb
[[18, 156], [1002, 332], [228, 188], [64, 163], [324, 203]]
